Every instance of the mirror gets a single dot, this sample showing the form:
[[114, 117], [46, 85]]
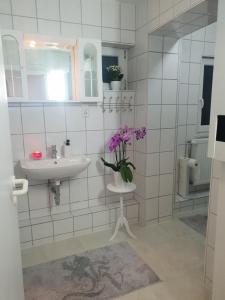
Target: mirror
[[49, 71], [12, 64]]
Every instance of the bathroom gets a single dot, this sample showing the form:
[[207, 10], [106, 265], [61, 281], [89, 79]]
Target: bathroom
[[166, 50]]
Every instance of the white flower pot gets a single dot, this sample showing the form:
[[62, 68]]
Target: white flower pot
[[116, 85], [118, 180]]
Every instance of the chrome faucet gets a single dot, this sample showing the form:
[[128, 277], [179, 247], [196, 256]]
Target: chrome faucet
[[54, 152]]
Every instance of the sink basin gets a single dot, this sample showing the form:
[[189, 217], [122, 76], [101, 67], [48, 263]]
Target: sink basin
[[54, 168]]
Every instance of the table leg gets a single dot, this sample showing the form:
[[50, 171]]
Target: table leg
[[122, 221]]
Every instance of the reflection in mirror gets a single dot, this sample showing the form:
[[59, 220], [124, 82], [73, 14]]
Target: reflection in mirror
[[13, 70], [49, 73], [90, 71]]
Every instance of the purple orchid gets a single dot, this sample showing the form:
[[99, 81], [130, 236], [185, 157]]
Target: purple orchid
[[118, 144]]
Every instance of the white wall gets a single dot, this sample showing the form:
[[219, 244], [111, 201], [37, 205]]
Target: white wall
[[85, 206], [108, 20]]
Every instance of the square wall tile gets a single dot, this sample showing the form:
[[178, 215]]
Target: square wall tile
[[34, 142], [140, 116], [155, 65], [6, 21], [78, 190], [153, 141], [46, 27], [182, 114], [15, 120], [167, 140], [184, 72], [5, 7], [22, 205], [110, 34], [17, 147], [83, 222], [94, 120], [70, 11], [141, 92], [100, 218], [38, 197], [110, 14], [41, 231], [96, 167], [26, 8], [78, 142], [25, 234], [75, 120], [165, 206], [154, 116], [71, 30], [170, 66], [151, 209], [183, 94], [132, 211], [96, 187], [63, 226], [193, 94], [92, 32], [181, 136], [185, 50], [54, 118], [169, 92], [166, 184], [152, 164], [166, 162], [128, 16], [154, 91], [33, 119], [155, 43], [25, 24], [152, 186], [95, 142], [195, 71], [168, 117], [192, 115], [91, 12], [197, 49], [48, 9], [142, 66]]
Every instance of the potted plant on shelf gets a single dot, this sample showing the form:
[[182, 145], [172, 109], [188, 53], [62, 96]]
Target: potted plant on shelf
[[123, 167], [115, 76]]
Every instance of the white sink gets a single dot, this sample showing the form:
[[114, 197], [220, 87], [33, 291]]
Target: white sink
[[54, 168]]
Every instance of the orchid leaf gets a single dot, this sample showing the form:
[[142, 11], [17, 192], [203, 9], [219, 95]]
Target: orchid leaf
[[112, 166]]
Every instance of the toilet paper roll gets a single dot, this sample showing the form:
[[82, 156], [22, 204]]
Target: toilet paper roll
[[195, 171], [192, 163]]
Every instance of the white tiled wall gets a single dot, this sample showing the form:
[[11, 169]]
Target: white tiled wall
[[84, 200], [108, 20], [168, 86], [85, 204]]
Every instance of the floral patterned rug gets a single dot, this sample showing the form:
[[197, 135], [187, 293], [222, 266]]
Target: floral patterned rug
[[103, 273]]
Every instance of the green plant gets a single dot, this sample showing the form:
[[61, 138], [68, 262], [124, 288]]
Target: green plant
[[118, 144], [115, 73]]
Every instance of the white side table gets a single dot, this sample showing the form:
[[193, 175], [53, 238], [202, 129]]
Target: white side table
[[128, 188]]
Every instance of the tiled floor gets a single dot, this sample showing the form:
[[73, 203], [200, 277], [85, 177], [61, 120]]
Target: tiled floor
[[172, 249]]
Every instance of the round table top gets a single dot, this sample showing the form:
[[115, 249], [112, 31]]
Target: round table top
[[123, 189]]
